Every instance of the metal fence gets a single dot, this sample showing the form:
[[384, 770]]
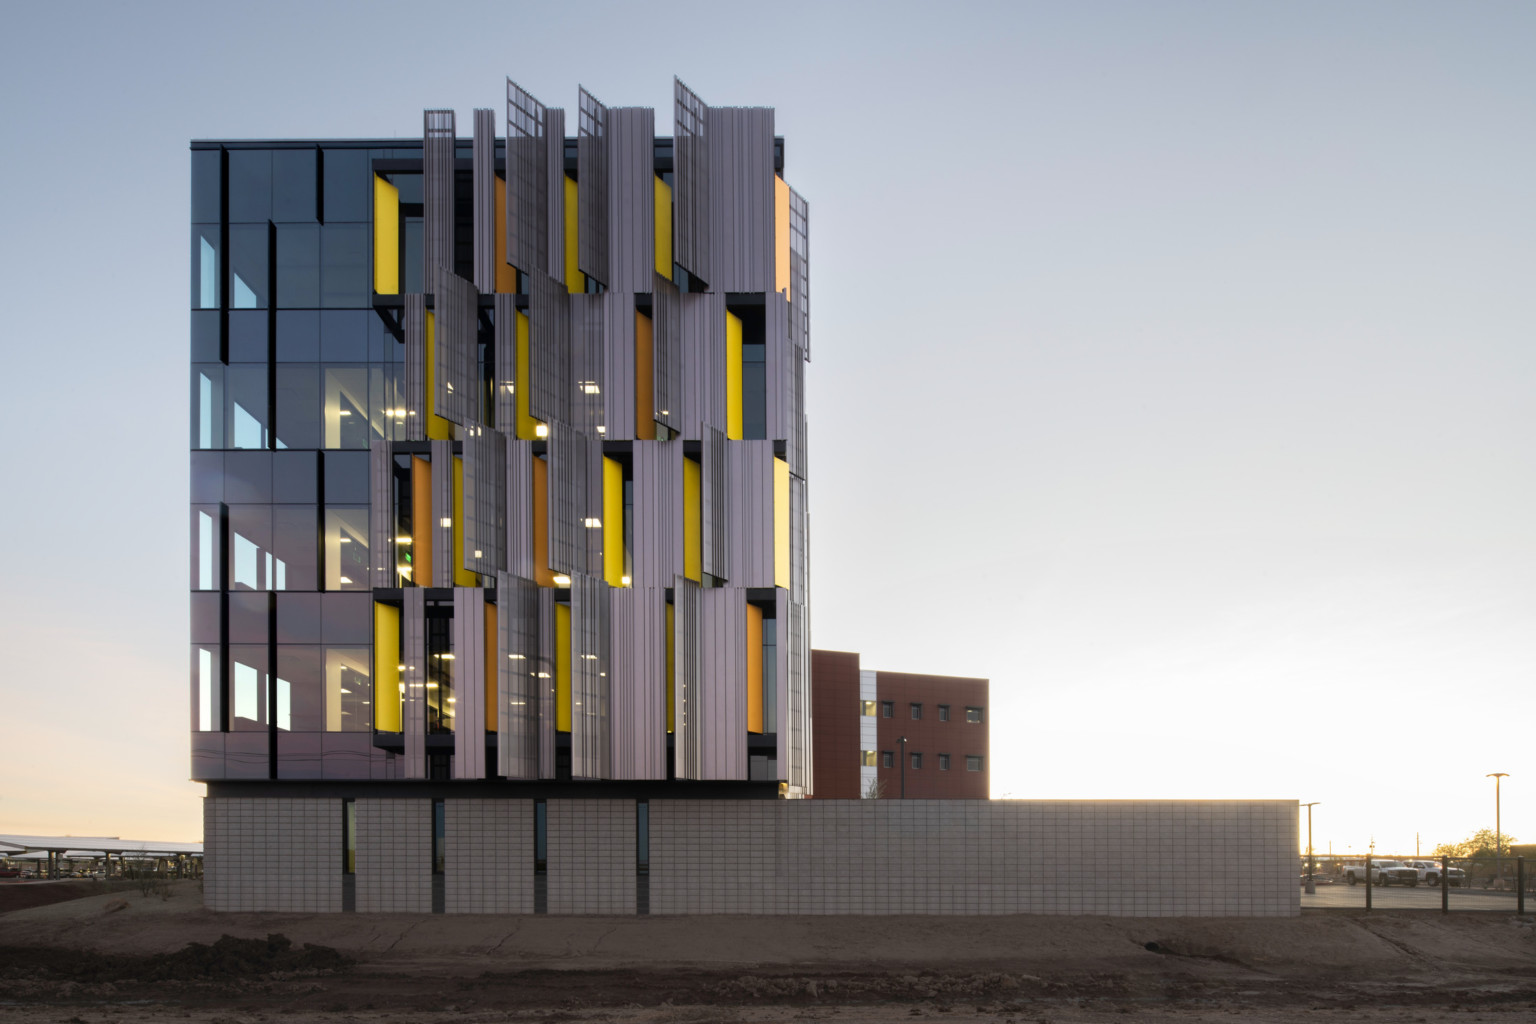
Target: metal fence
[[1380, 882]]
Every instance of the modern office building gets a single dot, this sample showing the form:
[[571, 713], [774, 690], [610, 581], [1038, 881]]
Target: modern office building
[[499, 550], [893, 735]]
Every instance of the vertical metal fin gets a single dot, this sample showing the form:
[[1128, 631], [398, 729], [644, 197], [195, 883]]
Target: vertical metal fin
[[690, 193], [415, 367], [687, 728], [456, 384], [589, 678], [723, 682], [485, 200], [442, 512], [618, 362], [799, 771], [592, 183], [528, 182], [485, 496], [632, 191], [545, 677], [777, 355], [549, 356], [588, 332], [438, 137], [703, 359], [798, 542], [381, 514], [796, 448], [569, 504], [800, 271], [413, 647], [742, 189], [658, 514], [469, 683], [505, 418], [638, 684], [667, 353], [519, 508], [715, 490], [517, 677], [750, 471], [554, 120]]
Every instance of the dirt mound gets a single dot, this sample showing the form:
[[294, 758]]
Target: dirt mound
[[22, 895], [31, 972]]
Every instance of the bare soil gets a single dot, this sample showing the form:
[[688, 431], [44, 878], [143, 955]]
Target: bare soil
[[128, 958]]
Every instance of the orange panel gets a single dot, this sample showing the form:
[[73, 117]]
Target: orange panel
[[421, 522], [492, 666], [506, 277], [541, 574], [645, 381], [754, 668]]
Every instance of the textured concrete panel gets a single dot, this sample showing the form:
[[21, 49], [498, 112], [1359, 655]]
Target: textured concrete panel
[[394, 856], [488, 857], [592, 856], [272, 855]]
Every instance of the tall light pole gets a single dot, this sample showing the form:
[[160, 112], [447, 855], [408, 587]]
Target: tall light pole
[[1498, 825], [1311, 861], [903, 767]]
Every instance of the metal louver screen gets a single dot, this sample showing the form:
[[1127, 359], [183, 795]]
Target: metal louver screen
[[592, 182], [589, 678], [517, 677], [438, 137], [686, 729], [456, 385], [484, 165], [715, 490], [415, 367], [528, 182], [549, 355], [485, 501], [800, 271], [667, 354], [690, 193]]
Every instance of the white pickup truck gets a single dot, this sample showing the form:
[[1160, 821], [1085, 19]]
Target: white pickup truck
[[1429, 873], [1383, 872]]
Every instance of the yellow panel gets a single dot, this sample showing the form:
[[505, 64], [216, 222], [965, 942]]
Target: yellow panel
[[671, 681], [492, 667], [780, 235], [645, 380], [733, 376], [575, 280], [563, 667], [541, 574], [437, 427], [506, 276], [386, 237], [462, 577], [754, 668], [780, 523], [664, 229], [421, 522], [527, 426], [386, 668], [613, 523], [693, 535]]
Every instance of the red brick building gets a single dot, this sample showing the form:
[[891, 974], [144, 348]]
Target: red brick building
[[896, 734]]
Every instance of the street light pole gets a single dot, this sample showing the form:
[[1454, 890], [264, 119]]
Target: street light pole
[[1311, 861], [903, 767], [1498, 825]]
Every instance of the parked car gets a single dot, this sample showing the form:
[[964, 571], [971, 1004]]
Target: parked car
[[1429, 873], [1383, 872]]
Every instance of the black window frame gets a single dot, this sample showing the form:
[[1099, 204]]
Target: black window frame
[[887, 709], [979, 713]]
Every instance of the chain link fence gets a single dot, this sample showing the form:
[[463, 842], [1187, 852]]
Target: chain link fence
[[1484, 882]]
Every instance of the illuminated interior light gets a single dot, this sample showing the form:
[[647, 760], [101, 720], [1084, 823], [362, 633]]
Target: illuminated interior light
[[346, 540], [516, 657], [402, 540], [345, 580], [624, 580], [345, 412], [446, 657], [453, 700], [401, 667], [540, 430], [543, 675], [477, 554], [345, 690], [445, 522], [562, 581], [602, 430], [448, 384], [592, 524], [431, 686]]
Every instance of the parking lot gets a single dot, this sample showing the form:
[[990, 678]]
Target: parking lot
[[1396, 897]]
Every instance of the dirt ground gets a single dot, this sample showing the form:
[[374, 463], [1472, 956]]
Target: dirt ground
[[123, 957]]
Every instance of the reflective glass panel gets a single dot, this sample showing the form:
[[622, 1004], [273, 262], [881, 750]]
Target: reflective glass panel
[[344, 335], [251, 563], [298, 336], [248, 688], [346, 619], [248, 337], [346, 407], [205, 337], [246, 390], [205, 548], [208, 405], [206, 619], [247, 478], [207, 476], [346, 549], [293, 547], [344, 269], [206, 668], [298, 405], [205, 185], [205, 266], [298, 618], [294, 477], [298, 265], [301, 707], [348, 690], [248, 266], [346, 478], [295, 176], [348, 185], [250, 185]]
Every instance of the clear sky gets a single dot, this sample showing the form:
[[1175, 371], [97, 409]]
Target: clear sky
[[1173, 368]]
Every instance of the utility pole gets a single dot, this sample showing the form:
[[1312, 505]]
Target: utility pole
[[1498, 825], [1311, 861]]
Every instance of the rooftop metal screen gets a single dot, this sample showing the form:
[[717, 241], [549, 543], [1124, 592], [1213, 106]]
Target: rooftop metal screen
[[438, 136], [528, 182], [592, 183], [485, 200], [690, 191]]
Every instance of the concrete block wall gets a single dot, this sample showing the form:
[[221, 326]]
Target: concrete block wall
[[591, 856], [394, 856], [489, 857], [275, 854], [1121, 858]]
